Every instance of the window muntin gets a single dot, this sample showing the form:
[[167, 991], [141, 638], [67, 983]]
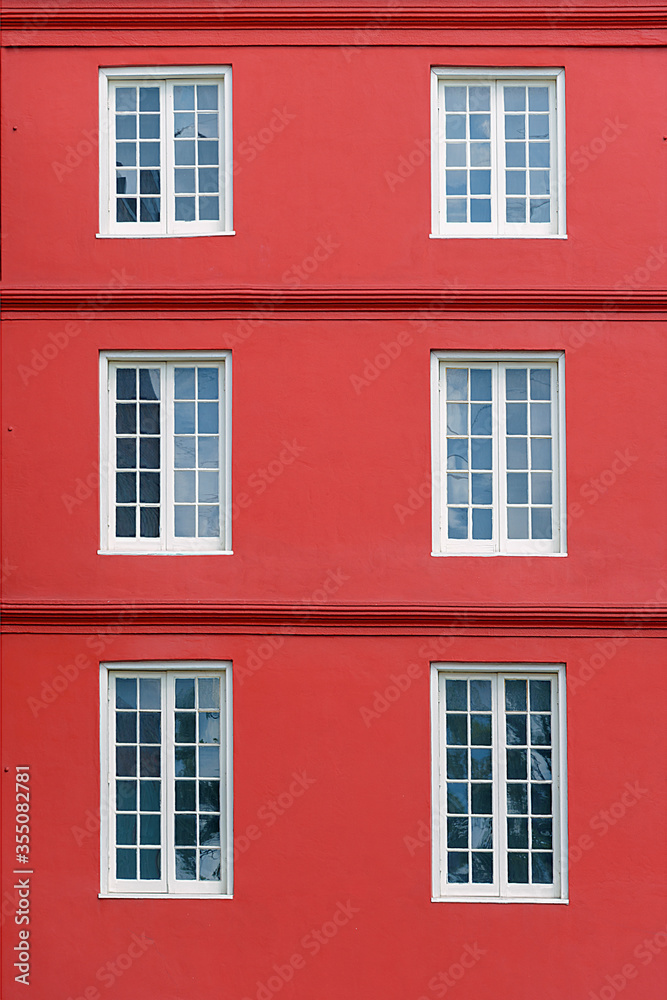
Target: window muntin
[[499, 782], [498, 161], [166, 751], [165, 152], [165, 445], [497, 454]]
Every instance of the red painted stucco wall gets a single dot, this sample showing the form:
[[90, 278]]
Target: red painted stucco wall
[[345, 525]]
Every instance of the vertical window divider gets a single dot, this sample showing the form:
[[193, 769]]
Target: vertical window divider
[[497, 140], [167, 491], [442, 164], [168, 157], [501, 445], [443, 455], [111, 157], [501, 789], [108, 797], [169, 795]]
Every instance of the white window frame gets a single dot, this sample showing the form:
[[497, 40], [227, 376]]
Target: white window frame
[[168, 226], [499, 545], [500, 891], [168, 887], [167, 544], [498, 228]]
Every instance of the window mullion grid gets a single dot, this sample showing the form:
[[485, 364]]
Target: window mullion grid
[[442, 146], [168, 797], [168, 154], [222, 450], [167, 455], [553, 157], [111, 780], [443, 513], [222, 156], [111, 119], [502, 457], [557, 469], [224, 805], [442, 798], [501, 785], [497, 159], [111, 456], [557, 812]]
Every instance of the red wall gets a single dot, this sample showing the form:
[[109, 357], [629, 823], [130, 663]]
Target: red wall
[[355, 116], [337, 513], [357, 833], [366, 453]]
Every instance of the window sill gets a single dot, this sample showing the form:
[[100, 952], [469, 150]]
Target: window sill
[[497, 236], [511, 555], [160, 236], [162, 552], [494, 899], [161, 895]]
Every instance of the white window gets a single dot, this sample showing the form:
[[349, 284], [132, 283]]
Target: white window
[[166, 779], [165, 452], [498, 454], [499, 769], [165, 151], [498, 152]]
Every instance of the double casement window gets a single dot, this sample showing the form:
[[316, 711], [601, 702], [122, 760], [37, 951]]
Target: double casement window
[[165, 151], [499, 768], [498, 152], [165, 452], [166, 788], [498, 454]]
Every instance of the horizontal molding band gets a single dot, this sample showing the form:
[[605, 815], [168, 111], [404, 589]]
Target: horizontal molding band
[[371, 19], [269, 300], [335, 618]]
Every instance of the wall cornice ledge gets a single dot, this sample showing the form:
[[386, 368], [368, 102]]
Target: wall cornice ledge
[[367, 18], [353, 619], [88, 302]]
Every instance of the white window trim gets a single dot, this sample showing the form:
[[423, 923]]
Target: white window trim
[[439, 228], [438, 807], [109, 544], [557, 546], [205, 890], [107, 226]]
